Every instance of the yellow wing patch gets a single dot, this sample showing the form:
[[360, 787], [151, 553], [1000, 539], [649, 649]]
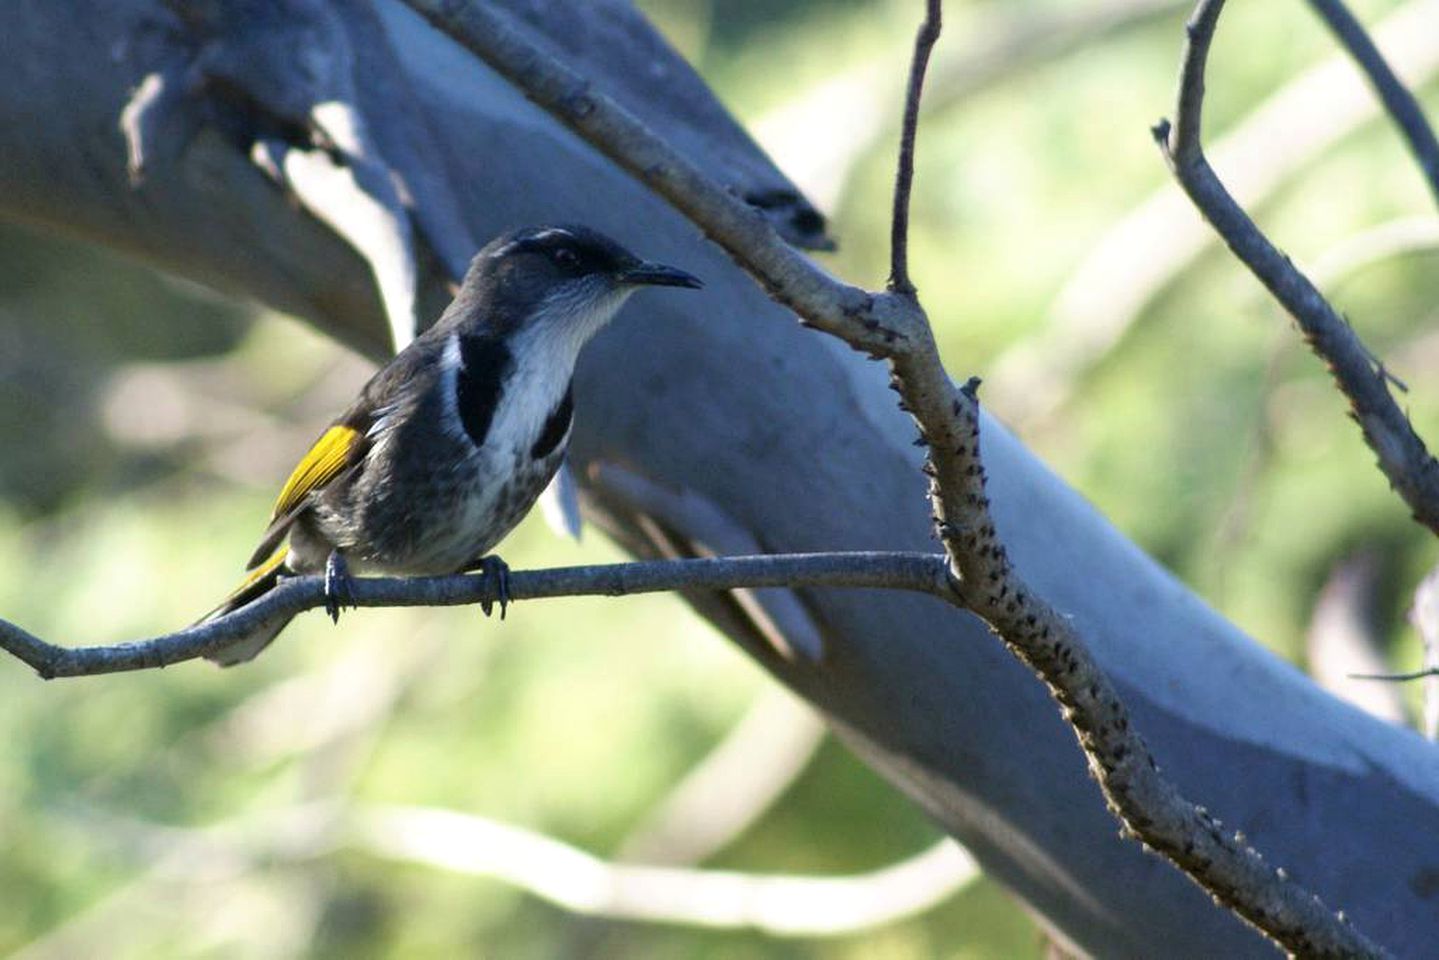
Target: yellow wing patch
[[329, 455]]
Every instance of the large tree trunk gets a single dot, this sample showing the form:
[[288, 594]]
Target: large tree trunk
[[799, 441]]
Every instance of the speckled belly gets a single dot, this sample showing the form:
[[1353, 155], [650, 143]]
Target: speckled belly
[[444, 521], [483, 515]]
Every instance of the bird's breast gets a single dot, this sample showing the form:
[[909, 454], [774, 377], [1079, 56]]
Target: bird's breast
[[450, 481]]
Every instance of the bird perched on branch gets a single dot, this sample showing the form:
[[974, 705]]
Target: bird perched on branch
[[449, 443]]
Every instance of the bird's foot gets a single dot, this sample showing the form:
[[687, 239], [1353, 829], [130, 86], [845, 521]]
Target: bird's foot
[[493, 568], [339, 586]]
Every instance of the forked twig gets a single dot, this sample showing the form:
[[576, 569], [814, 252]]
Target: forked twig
[[975, 573], [892, 326]]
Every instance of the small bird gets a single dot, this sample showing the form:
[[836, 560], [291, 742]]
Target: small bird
[[451, 441]]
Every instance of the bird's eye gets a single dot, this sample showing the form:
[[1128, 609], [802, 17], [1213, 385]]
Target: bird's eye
[[567, 260]]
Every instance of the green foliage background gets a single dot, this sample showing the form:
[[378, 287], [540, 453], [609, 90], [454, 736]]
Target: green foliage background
[[145, 425]]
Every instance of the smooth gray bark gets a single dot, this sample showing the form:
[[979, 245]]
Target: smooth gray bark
[[798, 440]]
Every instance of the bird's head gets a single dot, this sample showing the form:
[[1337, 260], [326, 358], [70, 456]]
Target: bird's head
[[567, 281]]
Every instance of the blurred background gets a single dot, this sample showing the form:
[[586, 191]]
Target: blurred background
[[431, 783]]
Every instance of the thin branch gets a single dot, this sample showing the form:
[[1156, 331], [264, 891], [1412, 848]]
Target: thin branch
[[783, 905], [899, 280], [894, 327], [1402, 455], [1401, 104], [921, 572], [1398, 677]]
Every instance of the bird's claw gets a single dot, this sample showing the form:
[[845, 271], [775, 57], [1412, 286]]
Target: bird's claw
[[339, 587], [494, 567]]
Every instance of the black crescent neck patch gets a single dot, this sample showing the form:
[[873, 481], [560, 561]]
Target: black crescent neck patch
[[484, 363], [556, 426]]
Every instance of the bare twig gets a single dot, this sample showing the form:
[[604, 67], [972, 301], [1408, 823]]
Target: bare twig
[[1397, 99], [1400, 677], [899, 280], [904, 571], [1403, 458], [893, 326]]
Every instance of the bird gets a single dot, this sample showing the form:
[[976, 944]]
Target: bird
[[449, 444]]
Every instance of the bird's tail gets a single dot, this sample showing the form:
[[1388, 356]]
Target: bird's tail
[[256, 584]]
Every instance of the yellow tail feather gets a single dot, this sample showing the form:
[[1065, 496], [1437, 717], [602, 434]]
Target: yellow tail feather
[[256, 583]]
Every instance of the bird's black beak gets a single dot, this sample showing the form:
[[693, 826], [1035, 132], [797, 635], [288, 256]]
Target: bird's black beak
[[649, 274]]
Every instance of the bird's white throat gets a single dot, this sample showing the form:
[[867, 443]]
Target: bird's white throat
[[542, 360]]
